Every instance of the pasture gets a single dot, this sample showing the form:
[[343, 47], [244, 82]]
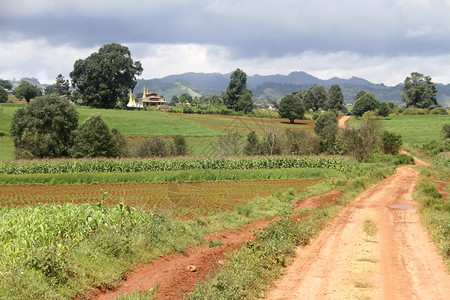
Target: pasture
[[419, 129], [200, 131]]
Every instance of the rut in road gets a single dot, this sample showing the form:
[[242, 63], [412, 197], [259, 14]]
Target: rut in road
[[344, 262]]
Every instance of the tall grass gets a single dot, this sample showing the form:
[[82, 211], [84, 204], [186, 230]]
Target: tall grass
[[435, 210]]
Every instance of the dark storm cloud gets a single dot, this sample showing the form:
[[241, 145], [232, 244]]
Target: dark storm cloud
[[246, 28]]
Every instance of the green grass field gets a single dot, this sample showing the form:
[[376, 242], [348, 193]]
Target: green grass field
[[418, 129], [201, 131]]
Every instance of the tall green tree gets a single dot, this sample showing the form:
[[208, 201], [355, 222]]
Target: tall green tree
[[44, 128], [50, 89], [335, 99], [326, 128], [105, 77], [359, 95], [6, 84], [26, 90], [3, 95], [291, 107], [62, 85], [418, 90], [366, 102], [315, 97], [94, 139], [237, 96], [185, 98]]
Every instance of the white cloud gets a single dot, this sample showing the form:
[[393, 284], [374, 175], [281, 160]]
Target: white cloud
[[36, 58], [418, 32]]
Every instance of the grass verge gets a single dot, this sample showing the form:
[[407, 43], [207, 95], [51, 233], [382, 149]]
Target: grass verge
[[435, 210]]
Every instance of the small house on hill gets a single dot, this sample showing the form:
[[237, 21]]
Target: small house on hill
[[148, 99]]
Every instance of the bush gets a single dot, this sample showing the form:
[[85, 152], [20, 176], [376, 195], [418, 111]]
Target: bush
[[391, 142], [153, 147], [353, 143], [414, 111], [301, 142], [180, 145], [273, 142], [365, 103], [439, 111], [252, 146], [3, 95], [383, 109], [326, 128], [44, 128], [446, 130], [94, 139]]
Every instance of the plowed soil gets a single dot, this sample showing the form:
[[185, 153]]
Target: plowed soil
[[346, 262]]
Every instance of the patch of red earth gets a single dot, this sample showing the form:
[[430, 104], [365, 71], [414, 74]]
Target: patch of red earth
[[173, 274], [317, 200]]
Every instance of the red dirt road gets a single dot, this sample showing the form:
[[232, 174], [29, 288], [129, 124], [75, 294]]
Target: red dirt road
[[344, 262]]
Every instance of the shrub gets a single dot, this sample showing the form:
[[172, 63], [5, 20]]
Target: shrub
[[121, 142], [353, 143], [446, 130], [48, 121], [439, 111], [414, 111], [391, 142], [273, 142], [3, 95], [365, 103], [383, 109], [153, 147], [326, 128], [252, 146], [180, 145], [301, 142], [371, 127], [94, 139]]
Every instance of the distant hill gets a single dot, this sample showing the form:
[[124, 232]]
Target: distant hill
[[267, 86], [275, 86]]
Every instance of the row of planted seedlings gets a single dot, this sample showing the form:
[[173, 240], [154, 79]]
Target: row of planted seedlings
[[142, 165]]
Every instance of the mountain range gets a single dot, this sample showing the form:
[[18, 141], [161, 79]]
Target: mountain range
[[265, 87]]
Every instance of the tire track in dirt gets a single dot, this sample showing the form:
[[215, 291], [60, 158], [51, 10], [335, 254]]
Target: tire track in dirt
[[343, 262]]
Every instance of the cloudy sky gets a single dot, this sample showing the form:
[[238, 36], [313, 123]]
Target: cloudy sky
[[380, 40]]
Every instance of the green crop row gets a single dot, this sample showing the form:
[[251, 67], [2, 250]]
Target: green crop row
[[131, 166]]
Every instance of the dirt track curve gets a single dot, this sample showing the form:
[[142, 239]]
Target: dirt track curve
[[344, 262]]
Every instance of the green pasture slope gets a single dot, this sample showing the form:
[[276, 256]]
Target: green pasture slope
[[419, 129], [201, 131], [6, 144], [147, 123]]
